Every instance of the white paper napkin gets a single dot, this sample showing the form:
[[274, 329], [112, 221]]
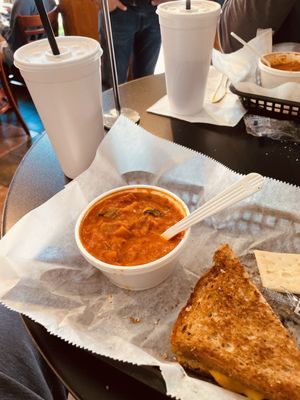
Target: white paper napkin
[[43, 275], [227, 112], [241, 67]]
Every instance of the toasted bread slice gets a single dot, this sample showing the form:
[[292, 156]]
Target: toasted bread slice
[[228, 327]]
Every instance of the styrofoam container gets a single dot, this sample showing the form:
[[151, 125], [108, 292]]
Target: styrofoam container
[[138, 277], [187, 41], [272, 77], [67, 92]]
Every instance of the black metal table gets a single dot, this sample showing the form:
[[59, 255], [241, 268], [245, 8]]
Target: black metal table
[[39, 177]]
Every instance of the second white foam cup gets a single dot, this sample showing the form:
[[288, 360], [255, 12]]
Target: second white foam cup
[[67, 92], [187, 40]]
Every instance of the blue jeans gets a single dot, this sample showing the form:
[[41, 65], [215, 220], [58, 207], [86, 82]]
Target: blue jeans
[[23, 372], [136, 37]]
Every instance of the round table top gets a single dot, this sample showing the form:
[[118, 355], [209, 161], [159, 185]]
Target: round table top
[[39, 177]]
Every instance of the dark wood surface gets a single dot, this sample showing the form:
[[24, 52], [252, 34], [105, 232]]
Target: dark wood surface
[[39, 177]]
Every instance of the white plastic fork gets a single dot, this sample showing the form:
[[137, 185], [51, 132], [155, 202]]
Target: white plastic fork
[[240, 190]]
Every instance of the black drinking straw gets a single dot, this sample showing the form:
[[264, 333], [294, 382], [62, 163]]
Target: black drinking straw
[[188, 4], [47, 26]]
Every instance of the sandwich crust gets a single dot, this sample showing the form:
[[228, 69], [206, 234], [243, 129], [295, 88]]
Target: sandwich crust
[[227, 326]]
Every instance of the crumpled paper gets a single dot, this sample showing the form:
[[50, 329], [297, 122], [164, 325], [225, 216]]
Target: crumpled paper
[[241, 67], [43, 275], [227, 112]]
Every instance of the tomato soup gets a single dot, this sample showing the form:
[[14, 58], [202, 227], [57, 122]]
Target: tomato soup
[[125, 228], [288, 66]]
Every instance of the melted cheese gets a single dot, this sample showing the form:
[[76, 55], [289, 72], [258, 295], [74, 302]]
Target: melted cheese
[[234, 386]]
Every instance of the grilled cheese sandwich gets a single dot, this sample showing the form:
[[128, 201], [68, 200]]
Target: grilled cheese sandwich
[[228, 329]]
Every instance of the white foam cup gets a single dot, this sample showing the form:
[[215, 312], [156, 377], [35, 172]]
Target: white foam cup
[[67, 92], [187, 40]]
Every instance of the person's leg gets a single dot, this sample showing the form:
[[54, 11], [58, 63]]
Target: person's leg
[[123, 26], [23, 372], [147, 42]]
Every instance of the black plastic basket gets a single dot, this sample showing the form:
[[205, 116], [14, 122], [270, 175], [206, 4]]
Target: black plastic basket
[[268, 106]]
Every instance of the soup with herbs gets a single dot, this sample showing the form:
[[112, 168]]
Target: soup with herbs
[[125, 228]]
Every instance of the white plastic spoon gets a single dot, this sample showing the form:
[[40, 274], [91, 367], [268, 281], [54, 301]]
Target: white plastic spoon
[[240, 190], [242, 41]]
